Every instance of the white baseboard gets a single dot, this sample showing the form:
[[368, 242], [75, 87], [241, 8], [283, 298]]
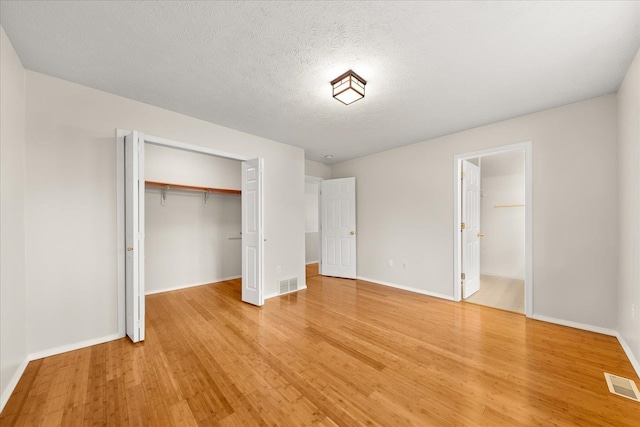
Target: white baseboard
[[576, 325], [407, 288], [313, 262], [70, 347], [623, 343], [627, 350], [6, 393], [266, 297], [192, 285]]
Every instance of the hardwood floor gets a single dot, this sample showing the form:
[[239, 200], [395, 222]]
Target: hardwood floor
[[311, 270], [500, 292], [341, 352]]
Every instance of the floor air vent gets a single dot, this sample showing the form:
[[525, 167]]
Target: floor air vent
[[288, 285], [622, 387]]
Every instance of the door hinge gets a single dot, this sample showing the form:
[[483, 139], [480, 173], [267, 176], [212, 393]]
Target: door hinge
[[463, 226], [462, 175], [462, 276]]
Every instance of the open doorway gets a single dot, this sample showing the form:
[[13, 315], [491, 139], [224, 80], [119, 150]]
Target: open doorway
[[331, 227], [493, 228], [501, 239], [131, 226], [192, 219], [312, 225]]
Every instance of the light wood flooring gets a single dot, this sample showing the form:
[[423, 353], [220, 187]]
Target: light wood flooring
[[500, 292], [342, 352]]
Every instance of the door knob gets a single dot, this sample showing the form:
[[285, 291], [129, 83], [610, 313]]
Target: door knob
[[480, 234], [352, 233], [129, 249]]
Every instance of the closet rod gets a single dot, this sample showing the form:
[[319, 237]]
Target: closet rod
[[169, 186]]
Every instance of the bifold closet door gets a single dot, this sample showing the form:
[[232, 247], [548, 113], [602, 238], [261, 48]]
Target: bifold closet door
[[252, 232], [134, 235]]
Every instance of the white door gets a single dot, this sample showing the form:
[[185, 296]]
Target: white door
[[134, 239], [470, 228], [338, 227], [252, 232]]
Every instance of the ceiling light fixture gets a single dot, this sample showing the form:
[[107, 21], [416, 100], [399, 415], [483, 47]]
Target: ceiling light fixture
[[328, 157], [348, 88]]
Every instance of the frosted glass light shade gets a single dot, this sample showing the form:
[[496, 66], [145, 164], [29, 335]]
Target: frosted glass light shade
[[348, 88]]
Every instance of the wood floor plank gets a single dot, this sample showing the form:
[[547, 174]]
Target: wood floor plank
[[342, 352]]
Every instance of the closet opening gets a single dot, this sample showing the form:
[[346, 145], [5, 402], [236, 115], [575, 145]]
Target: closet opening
[[167, 193], [193, 219], [493, 246]]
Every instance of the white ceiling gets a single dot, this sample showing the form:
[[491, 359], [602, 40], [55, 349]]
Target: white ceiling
[[264, 68]]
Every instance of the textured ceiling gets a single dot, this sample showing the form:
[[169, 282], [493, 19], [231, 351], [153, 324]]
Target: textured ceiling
[[264, 68]]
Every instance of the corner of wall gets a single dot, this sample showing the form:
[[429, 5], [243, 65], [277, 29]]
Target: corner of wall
[[13, 382], [317, 169], [635, 362], [628, 307], [13, 315]]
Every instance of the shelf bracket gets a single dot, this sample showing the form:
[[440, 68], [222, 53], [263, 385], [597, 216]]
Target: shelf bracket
[[163, 196], [205, 197]]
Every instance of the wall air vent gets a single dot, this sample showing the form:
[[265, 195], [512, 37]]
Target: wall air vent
[[288, 285], [284, 286]]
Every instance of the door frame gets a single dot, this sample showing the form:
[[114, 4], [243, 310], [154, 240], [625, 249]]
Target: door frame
[[316, 180], [527, 146], [120, 204]]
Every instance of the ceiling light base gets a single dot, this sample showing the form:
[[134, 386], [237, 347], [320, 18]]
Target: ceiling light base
[[348, 88]]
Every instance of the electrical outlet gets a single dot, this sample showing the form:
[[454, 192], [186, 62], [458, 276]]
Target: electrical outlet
[[390, 263], [279, 269], [404, 264]]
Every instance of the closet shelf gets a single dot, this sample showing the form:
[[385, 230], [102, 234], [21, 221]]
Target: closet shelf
[[513, 205], [169, 186]]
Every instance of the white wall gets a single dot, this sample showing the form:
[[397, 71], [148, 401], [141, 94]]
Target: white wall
[[502, 247], [317, 169], [187, 243], [165, 164], [13, 312], [629, 209], [71, 203], [405, 209], [312, 235], [311, 191]]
